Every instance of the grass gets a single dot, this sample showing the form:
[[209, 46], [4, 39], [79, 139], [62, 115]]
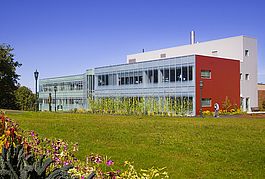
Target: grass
[[188, 147]]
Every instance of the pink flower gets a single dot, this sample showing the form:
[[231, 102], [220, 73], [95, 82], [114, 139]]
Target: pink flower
[[109, 163], [98, 160]]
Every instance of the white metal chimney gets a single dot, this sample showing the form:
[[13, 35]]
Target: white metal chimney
[[192, 37]]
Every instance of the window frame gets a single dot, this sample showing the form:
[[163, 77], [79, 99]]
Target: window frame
[[206, 77], [246, 53], [247, 76], [208, 105]]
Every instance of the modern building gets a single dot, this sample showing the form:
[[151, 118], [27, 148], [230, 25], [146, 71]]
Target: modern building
[[71, 92], [227, 68]]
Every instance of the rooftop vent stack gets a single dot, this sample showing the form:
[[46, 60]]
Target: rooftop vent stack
[[192, 37]]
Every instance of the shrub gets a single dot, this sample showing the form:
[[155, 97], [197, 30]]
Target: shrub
[[227, 104], [207, 113]]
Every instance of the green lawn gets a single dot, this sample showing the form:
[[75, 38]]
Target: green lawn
[[188, 147]]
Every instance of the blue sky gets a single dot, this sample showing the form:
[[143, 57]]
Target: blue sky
[[65, 37]]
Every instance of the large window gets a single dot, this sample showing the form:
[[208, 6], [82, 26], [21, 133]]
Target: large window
[[190, 73], [206, 102], [103, 80], [127, 80], [130, 78], [165, 74], [64, 86], [155, 76], [206, 74], [184, 73], [178, 74], [149, 74], [138, 77], [172, 75]]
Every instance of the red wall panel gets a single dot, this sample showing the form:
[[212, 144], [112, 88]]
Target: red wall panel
[[224, 82]]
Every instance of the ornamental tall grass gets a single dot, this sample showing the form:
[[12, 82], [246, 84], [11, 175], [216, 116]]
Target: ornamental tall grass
[[161, 106]]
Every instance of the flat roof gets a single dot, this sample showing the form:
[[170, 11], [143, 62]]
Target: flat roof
[[58, 77], [149, 61], [209, 41]]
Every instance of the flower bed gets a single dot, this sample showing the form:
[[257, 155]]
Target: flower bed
[[46, 158]]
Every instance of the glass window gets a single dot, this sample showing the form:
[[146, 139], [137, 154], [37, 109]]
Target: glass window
[[247, 104], [131, 79], [140, 79], [190, 73], [127, 80], [184, 73], [178, 74], [99, 80], [247, 76], [106, 80], [136, 80], [172, 75], [206, 102], [166, 75], [246, 53], [102, 80], [149, 75], [206, 74], [122, 81], [155, 76]]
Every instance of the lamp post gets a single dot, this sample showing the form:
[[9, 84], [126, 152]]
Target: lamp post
[[55, 89], [201, 86], [36, 75], [50, 101]]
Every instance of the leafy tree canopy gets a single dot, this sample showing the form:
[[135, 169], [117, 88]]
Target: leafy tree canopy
[[25, 98], [8, 77]]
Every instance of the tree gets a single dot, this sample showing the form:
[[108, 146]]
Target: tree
[[25, 98], [8, 77]]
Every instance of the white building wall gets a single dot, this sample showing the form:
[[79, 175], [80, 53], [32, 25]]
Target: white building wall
[[232, 48], [249, 66]]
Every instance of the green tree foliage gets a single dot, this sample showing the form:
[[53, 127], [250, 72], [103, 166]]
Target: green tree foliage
[[25, 98], [8, 77]]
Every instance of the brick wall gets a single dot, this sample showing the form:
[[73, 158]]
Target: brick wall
[[261, 97]]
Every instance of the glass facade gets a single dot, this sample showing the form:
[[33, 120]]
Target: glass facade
[[165, 80], [69, 94]]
